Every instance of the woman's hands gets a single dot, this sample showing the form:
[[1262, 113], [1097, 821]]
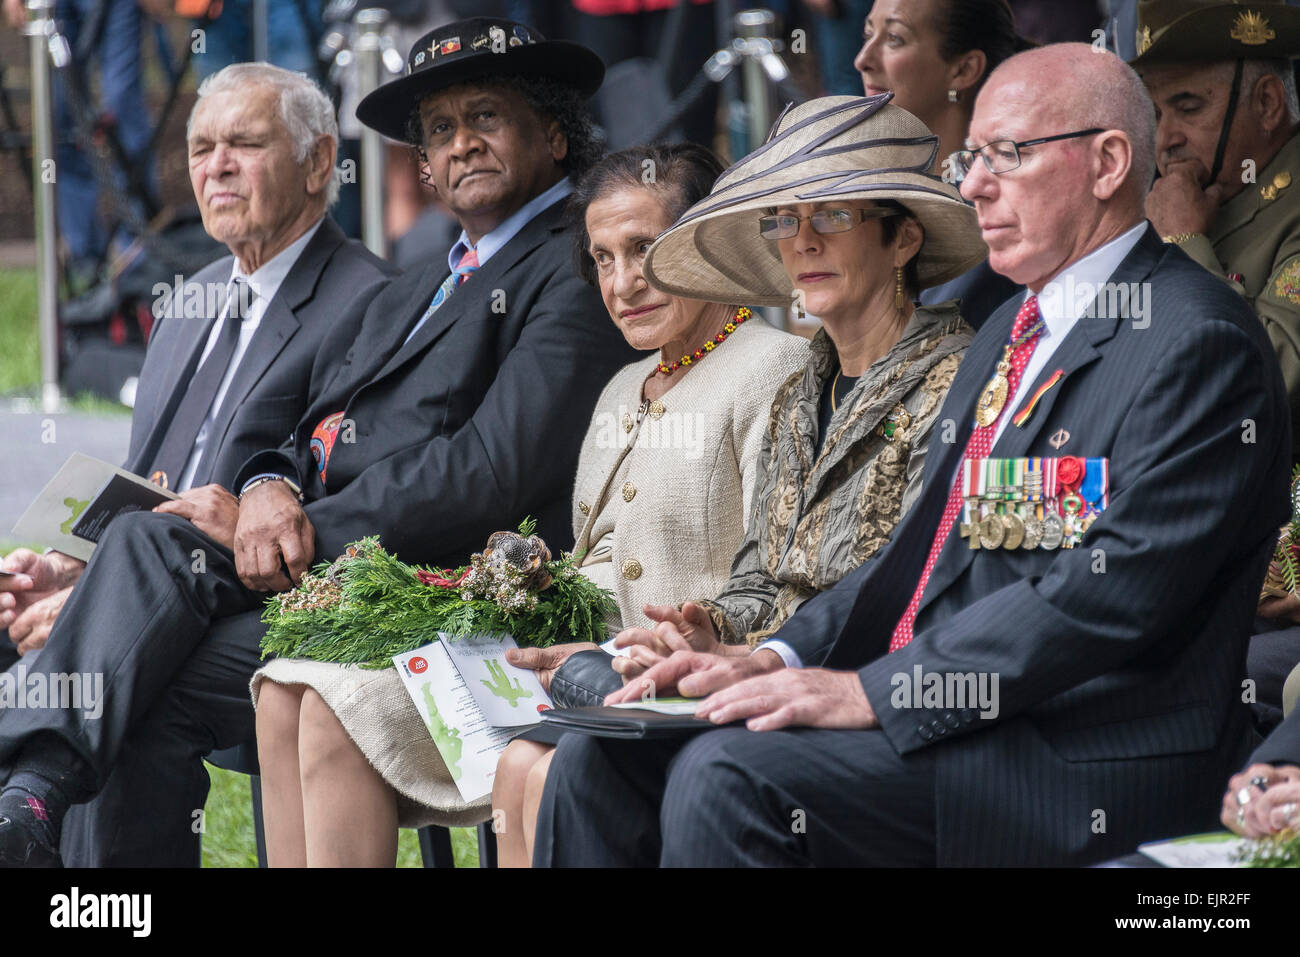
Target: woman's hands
[[1254, 811], [546, 661], [690, 629]]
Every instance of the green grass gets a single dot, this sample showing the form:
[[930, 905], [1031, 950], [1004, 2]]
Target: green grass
[[229, 841], [20, 364], [20, 359]]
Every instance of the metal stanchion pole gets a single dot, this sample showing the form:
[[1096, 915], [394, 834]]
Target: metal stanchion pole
[[45, 45], [756, 25], [261, 29], [370, 65], [759, 65]]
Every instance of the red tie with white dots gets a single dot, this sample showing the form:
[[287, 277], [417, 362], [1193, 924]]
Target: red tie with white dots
[[981, 441]]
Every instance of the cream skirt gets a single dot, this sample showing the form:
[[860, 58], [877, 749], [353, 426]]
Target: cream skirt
[[378, 714]]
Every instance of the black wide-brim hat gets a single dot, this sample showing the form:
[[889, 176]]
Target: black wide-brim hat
[[470, 49]]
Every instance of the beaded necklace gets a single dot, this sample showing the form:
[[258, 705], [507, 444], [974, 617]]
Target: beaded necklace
[[742, 314]]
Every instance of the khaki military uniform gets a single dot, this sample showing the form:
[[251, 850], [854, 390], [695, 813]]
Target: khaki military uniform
[[1256, 236]]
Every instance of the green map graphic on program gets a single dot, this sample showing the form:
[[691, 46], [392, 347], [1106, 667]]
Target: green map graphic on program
[[501, 686], [77, 507], [447, 739]]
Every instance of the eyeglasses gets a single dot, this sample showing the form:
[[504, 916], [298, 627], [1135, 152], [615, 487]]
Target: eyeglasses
[[1002, 156], [824, 221]]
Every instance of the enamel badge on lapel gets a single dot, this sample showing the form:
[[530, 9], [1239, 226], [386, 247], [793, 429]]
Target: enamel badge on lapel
[[1059, 438]]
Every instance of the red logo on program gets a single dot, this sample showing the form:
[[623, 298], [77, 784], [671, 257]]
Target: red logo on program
[[418, 665], [543, 707]]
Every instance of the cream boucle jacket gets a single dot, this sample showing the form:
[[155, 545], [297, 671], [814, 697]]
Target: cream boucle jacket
[[660, 500]]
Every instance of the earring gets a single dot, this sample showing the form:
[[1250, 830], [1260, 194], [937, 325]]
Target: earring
[[799, 308], [898, 287], [952, 96]]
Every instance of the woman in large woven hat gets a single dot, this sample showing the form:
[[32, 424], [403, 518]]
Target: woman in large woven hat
[[838, 213]]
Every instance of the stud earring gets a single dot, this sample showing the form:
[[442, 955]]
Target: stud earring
[[898, 287], [952, 96]]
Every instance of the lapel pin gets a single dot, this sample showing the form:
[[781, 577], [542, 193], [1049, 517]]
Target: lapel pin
[[1059, 438]]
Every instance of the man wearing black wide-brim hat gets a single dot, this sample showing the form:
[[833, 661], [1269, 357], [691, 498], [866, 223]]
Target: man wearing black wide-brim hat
[[1221, 76], [458, 410]]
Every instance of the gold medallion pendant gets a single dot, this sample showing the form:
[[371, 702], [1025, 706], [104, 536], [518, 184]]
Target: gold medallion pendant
[[994, 397]]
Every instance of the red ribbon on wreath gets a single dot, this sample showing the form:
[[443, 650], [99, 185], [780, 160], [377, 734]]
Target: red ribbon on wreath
[[429, 578]]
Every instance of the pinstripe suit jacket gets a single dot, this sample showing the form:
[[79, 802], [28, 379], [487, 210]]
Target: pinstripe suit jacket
[[1120, 662], [1283, 745]]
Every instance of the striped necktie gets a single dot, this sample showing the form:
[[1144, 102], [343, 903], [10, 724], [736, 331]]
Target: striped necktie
[[464, 269], [978, 447]]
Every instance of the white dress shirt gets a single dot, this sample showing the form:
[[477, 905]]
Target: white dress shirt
[[265, 282], [1062, 301]]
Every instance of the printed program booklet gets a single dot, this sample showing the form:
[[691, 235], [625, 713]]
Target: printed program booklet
[[72, 511], [1217, 849], [473, 702]]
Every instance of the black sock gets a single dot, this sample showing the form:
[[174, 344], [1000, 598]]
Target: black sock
[[48, 756]]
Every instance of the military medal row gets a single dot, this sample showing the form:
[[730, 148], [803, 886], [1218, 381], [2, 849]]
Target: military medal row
[[1031, 503]]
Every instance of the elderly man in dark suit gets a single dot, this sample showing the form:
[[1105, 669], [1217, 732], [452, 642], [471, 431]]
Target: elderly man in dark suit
[[458, 409], [227, 376], [980, 694]]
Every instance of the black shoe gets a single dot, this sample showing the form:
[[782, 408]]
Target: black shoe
[[20, 847]]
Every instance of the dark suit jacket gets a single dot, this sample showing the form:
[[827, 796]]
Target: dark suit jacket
[[1120, 662], [473, 424], [270, 390], [1282, 746]]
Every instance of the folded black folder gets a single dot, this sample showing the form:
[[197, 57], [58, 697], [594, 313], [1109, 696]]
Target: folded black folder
[[606, 722]]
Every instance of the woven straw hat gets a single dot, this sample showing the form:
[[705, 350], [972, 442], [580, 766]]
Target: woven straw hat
[[831, 148]]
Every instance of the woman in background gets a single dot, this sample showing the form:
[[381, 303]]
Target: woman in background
[[934, 56]]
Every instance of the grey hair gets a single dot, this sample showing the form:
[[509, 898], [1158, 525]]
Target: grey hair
[[305, 110], [1255, 70]]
